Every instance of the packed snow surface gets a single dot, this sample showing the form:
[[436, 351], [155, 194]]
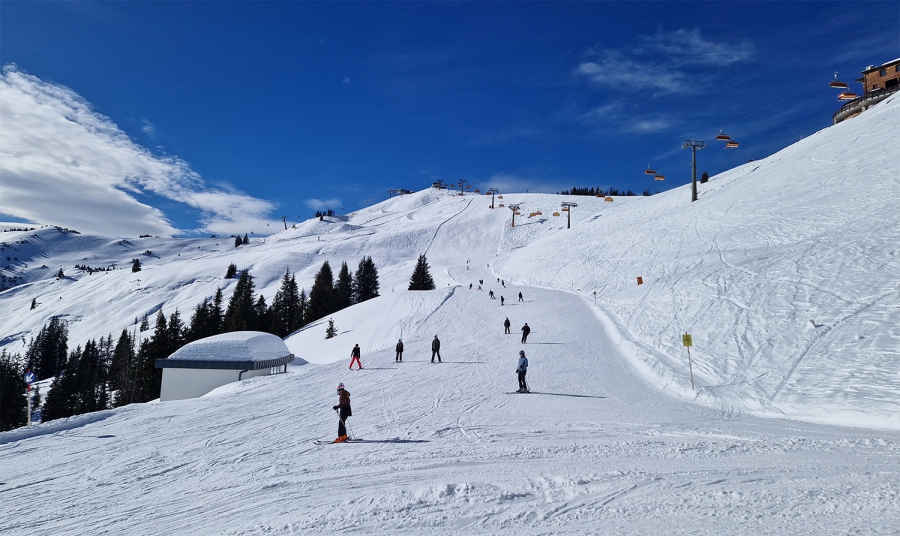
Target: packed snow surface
[[785, 273], [234, 346]]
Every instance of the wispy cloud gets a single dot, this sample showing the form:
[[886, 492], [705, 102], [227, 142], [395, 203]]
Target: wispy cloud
[[659, 62], [626, 118], [149, 128], [63, 163], [322, 204]]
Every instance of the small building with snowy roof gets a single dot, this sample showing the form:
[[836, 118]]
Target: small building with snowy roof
[[201, 366]]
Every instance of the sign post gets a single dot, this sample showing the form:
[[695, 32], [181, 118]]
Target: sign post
[[29, 379], [687, 342]]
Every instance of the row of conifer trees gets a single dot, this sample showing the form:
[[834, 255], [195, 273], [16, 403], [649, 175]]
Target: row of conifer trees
[[106, 374]]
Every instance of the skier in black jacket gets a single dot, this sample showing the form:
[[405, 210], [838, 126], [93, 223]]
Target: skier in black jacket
[[525, 331], [506, 325], [436, 349], [399, 357]]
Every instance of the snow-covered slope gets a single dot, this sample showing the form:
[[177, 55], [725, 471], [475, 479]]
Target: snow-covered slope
[[785, 272]]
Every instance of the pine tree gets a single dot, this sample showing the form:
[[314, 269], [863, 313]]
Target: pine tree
[[237, 241], [60, 274], [261, 316], [145, 323], [365, 284], [239, 316], [246, 239], [704, 178], [231, 271], [33, 304], [286, 312], [303, 307], [136, 265], [46, 355], [421, 277], [217, 315], [343, 288], [321, 295], [330, 331], [121, 367], [13, 406]]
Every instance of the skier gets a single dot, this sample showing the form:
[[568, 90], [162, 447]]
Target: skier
[[525, 331], [521, 370], [479, 288], [354, 357], [520, 297], [502, 282], [491, 294], [502, 299], [470, 286], [344, 413], [506, 325], [436, 349], [399, 357]]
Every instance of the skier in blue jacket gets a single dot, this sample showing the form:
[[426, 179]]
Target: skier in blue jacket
[[521, 370]]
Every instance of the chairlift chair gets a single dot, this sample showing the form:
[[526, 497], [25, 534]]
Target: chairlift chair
[[847, 96], [837, 84], [732, 145], [659, 178], [649, 171], [722, 136]]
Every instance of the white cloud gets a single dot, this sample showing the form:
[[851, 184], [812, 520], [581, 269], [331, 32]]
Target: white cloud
[[689, 46], [660, 62], [322, 204], [62, 163], [149, 129]]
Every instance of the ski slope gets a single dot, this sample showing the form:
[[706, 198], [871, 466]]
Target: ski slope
[[785, 272]]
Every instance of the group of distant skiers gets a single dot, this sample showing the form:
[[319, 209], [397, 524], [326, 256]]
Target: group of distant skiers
[[343, 406]]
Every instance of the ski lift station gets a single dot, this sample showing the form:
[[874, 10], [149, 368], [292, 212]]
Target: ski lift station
[[201, 366]]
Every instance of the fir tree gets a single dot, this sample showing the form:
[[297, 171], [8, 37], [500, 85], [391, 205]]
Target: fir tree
[[261, 316], [321, 295], [60, 274], [239, 316], [704, 178], [231, 271], [145, 323], [13, 406], [216, 313], [136, 265], [121, 368], [46, 355], [237, 241], [330, 331], [33, 304], [365, 284], [286, 312], [343, 288], [421, 277], [246, 239]]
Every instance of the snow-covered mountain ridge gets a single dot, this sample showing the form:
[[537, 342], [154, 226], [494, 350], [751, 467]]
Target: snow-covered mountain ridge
[[785, 272]]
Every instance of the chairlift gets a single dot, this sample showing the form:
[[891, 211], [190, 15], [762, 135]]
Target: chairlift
[[732, 145], [659, 178], [499, 197], [837, 84], [564, 209], [649, 171], [556, 213], [847, 96], [722, 136], [609, 199], [477, 191]]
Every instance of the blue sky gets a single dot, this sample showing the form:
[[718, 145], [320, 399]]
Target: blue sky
[[199, 117]]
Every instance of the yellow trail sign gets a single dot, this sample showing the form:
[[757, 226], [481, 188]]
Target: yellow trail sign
[[686, 340]]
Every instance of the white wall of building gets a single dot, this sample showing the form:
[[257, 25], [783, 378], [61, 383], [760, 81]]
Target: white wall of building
[[181, 383]]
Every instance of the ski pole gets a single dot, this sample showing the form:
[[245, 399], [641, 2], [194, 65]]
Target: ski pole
[[346, 424]]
